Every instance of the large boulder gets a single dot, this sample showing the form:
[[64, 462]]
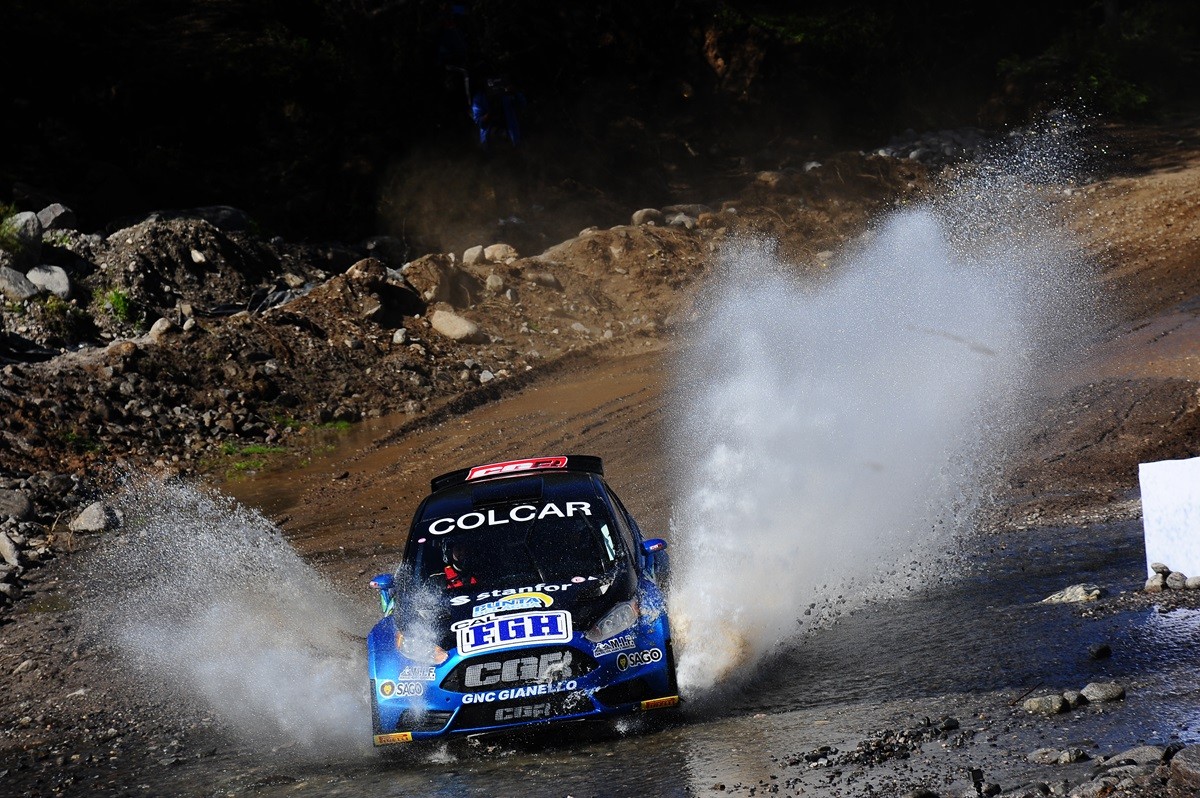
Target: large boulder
[[97, 517], [437, 279], [16, 286], [51, 279], [1185, 770], [15, 504], [57, 217], [27, 231]]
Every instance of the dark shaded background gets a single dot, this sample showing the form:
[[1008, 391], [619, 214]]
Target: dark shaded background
[[336, 119]]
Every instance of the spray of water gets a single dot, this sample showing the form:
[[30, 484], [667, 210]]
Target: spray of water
[[206, 602], [832, 433]]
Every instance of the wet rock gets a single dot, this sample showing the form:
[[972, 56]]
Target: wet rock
[[1072, 755], [97, 517], [1045, 705], [1099, 651], [1139, 755], [1044, 756], [1185, 769], [1074, 698], [15, 504], [1074, 593], [1100, 692], [455, 327]]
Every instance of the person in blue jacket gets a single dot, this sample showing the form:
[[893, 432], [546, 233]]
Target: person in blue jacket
[[495, 108]]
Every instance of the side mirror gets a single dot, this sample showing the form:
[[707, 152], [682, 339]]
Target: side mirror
[[657, 561], [384, 583]]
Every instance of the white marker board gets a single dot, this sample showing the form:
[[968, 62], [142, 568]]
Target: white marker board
[[1171, 513]]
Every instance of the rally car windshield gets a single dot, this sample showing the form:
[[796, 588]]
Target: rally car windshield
[[517, 545]]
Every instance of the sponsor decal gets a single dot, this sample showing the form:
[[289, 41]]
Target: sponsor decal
[[528, 691], [540, 587], [519, 513], [518, 669], [516, 466], [511, 631], [614, 644], [638, 658], [394, 737], [418, 672], [530, 712], [517, 601], [661, 703], [388, 688]]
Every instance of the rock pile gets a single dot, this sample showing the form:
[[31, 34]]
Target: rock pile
[[1172, 770], [936, 148], [1166, 578], [29, 539], [1093, 693]]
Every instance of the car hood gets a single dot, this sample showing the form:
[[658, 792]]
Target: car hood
[[549, 612]]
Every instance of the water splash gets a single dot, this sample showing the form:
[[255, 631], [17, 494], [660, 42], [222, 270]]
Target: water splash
[[832, 434], [216, 613]]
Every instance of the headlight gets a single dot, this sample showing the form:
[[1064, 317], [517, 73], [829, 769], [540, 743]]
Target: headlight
[[618, 619], [420, 651]]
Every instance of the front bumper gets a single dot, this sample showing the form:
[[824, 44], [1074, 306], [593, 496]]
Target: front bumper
[[602, 682]]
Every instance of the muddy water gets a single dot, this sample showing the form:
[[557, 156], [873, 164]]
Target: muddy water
[[971, 647]]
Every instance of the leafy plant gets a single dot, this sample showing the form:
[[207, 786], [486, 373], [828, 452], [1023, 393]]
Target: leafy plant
[[119, 305], [9, 242]]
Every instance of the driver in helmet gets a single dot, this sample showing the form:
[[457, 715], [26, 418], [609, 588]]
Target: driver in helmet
[[458, 561]]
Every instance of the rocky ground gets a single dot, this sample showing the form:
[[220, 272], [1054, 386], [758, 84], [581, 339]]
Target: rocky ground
[[191, 344]]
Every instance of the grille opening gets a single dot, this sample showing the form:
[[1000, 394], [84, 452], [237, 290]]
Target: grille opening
[[625, 693], [429, 720]]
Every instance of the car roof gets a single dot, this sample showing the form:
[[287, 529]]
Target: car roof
[[546, 486], [509, 468]]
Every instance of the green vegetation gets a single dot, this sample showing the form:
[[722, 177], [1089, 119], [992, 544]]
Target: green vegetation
[[119, 305], [8, 235], [229, 448], [78, 442]]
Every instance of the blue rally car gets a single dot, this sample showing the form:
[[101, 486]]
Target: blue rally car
[[526, 595]]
